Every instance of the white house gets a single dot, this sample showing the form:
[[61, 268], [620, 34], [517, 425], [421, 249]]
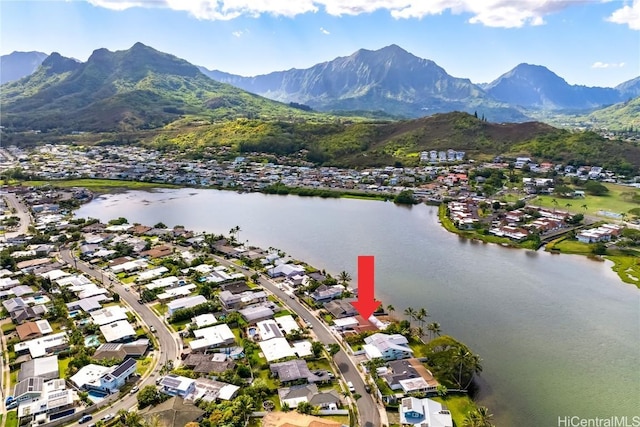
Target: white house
[[387, 347], [176, 385], [424, 412]]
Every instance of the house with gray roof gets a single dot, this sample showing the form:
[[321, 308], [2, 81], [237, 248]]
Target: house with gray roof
[[256, 313], [293, 371], [295, 395], [42, 367], [341, 308]]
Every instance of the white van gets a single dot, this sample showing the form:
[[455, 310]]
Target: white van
[[352, 389]]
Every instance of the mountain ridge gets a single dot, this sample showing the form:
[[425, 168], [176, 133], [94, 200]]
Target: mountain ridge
[[106, 93], [17, 65]]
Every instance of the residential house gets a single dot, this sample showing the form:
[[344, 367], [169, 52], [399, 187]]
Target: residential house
[[104, 379], [52, 405], [293, 371], [232, 301], [212, 337], [341, 308], [120, 331], [186, 302], [210, 390], [387, 347], [39, 347], [256, 313], [424, 412], [175, 412], [28, 330], [120, 351], [210, 364], [326, 293], [176, 385], [286, 270], [33, 388], [42, 367], [408, 376], [294, 395]]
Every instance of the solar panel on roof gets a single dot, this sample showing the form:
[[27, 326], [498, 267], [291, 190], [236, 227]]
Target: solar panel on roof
[[170, 382], [123, 367]]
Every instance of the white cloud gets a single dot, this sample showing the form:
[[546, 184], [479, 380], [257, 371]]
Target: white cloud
[[599, 64], [629, 15], [324, 31], [493, 13], [238, 33]]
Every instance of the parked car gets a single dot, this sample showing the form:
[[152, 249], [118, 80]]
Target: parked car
[[107, 417], [134, 389], [367, 388], [352, 389], [152, 328], [85, 418]]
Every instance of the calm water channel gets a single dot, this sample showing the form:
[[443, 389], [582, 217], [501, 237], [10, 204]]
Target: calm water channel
[[559, 335]]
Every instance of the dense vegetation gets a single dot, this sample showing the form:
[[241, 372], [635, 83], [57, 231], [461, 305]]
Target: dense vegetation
[[352, 144]]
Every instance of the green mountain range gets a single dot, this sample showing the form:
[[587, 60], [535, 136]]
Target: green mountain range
[[139, 88]]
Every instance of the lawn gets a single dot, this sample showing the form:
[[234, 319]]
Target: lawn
[[100, 185], [419, 348], [458, 405], [12, 419], [160, 309], [319, 364], [63, 364], [8, 327], [567, 246], [618, 200], [14, 379], [142, 365]]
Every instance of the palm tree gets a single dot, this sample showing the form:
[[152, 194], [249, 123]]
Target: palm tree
[[390, 308], [584, 207], [243, 406], [154, 421], [568, 205], [410, 313], [344, 278], [133, 419], [555, 204], [419, 332], [434, 329], [459, 358], [422, 315], [474, 366], [478, 418]]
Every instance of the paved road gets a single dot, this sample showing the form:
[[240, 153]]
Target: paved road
[[367, 409], [170, 344], [21, 212]]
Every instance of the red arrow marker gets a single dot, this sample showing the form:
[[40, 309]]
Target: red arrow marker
[[366, 304]]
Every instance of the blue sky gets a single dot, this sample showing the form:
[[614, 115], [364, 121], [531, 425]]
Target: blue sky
[[594, 43]]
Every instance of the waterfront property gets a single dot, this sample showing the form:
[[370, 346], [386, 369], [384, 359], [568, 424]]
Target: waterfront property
[[424, 412], [387, 347]]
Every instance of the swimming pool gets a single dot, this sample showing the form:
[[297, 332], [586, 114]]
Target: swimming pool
[[91, 341], [96, 396]]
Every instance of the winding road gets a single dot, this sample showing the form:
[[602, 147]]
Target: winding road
[[169, 342], [368, 411]]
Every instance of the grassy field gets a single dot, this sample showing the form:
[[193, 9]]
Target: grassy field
[[618, 201], [100, 185], [459, 405], [626, 263]]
